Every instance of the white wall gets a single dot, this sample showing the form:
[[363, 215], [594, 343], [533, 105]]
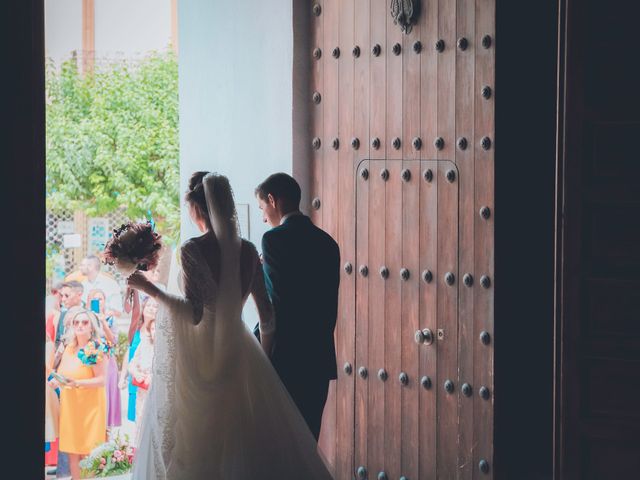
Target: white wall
[[235, 95], [124, 29], [235, 98], [131, 28], [62, 29]]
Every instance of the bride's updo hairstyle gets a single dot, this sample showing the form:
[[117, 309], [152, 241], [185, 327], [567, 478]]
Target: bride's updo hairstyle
[[222, 196], [195, 196]]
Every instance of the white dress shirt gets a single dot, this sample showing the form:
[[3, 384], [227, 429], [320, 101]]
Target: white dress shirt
[[290, 214]]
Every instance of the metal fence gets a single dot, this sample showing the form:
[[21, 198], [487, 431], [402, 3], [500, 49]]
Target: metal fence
[[71, 236]]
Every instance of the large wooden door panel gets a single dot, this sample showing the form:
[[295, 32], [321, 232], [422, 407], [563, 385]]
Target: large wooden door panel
[[407, 232], [402, 151]]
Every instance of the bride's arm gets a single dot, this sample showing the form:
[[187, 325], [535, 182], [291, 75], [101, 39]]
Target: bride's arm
[[187, 306], [265, 309]]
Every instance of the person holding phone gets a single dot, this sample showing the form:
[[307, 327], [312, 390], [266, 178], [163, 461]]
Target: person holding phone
[[97, 303], [83, 402], [96, 279]]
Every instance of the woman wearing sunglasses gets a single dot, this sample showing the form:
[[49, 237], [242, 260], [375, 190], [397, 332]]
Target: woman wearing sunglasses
[[81, 378]]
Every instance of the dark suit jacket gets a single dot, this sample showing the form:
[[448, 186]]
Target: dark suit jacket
[[302, 272]]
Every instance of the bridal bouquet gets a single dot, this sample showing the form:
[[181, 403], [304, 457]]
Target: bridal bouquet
[[134, 246], [114, 457]]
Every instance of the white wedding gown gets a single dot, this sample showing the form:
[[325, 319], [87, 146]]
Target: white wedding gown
[[216, 408]]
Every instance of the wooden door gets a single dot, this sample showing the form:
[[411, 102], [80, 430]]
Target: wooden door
[[416, 240], [598, 249], [407, 256]]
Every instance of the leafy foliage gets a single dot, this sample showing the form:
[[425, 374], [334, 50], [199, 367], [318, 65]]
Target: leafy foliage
[[121, 348], [112, 139]]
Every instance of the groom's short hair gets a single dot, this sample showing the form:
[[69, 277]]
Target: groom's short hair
[[282, 187]]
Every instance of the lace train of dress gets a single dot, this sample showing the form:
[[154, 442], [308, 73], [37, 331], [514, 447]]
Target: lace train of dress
[[217, 409], [239, 424]]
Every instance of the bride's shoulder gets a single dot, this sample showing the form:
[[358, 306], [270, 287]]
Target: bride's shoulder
[[249, 247], [193, 245], [188, 245], [248, 244], [195, 242]]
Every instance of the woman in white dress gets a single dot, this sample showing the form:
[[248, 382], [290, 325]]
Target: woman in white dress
[[216, 408], [140, 369]]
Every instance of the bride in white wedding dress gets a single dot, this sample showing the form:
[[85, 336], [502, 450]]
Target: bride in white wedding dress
[[216, 408]]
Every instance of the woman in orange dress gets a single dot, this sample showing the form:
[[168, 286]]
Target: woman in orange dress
[[83, 401]]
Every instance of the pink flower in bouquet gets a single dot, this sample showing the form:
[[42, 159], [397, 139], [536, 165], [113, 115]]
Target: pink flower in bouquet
[[134, 246], [118, 455]]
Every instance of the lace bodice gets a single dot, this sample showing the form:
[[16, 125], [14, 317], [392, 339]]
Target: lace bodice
[[201, 276], [209, 285]]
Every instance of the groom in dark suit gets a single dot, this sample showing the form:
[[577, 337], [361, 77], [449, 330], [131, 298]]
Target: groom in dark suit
[[302, 273]]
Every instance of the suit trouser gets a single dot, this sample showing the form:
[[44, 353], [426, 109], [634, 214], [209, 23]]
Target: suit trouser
[[310, 398]]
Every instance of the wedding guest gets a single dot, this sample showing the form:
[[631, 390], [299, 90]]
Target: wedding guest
[[71, 296], [75, 276], [53, 304], [140, 369], [83, 409], [97, 280], [107, 323], [51, 407], [141, 314]]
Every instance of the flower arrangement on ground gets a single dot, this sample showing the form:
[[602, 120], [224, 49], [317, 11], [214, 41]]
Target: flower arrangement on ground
[[134, 246], [114, 457]]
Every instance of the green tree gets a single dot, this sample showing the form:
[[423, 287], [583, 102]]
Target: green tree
[[112, 139]]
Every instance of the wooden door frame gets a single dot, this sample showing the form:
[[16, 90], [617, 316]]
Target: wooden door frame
[[26, 134], [558, 248], [525, 185], [23, 244], [573, 416], [567, 231]]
